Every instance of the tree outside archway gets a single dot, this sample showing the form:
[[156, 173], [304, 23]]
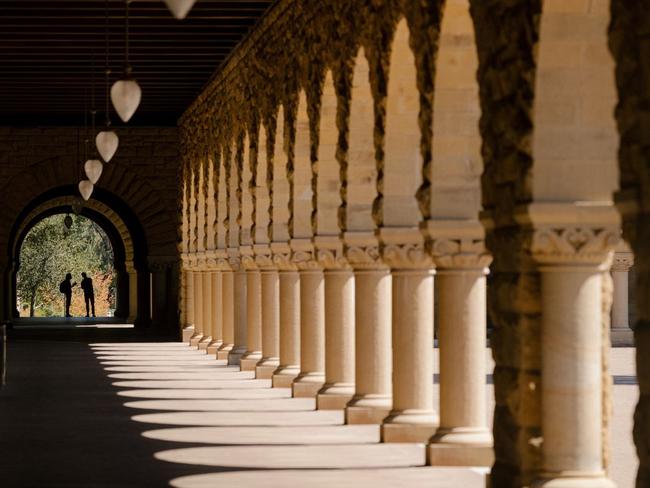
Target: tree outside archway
[[49, 251]]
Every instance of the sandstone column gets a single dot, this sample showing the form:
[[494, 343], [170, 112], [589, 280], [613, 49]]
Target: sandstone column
[[312, 321], [339, 325], [253, 352], [239, 311], [413, 418], [217, 317], [571, 261], [621, 333], [188, 299], [198, 305], [463, 438], [227, 303], [133, 294], [372, 399], [270, 313], [289, 278], [207, 309]]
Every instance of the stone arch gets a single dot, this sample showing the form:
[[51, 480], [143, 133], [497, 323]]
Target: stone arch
[[402, 163], [280, 197], [247, 187], [301, 176], [263, 187]]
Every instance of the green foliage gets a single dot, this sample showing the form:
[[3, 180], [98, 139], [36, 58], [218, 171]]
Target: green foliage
[[49, 251]]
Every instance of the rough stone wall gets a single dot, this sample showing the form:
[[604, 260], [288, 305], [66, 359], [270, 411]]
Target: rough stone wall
[[630, 45], [143, 174], [507, 33]]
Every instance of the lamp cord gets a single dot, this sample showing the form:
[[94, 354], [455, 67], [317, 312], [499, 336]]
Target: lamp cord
[[107, 69]]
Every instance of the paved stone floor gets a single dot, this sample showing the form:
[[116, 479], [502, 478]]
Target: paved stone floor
[[90, 411]]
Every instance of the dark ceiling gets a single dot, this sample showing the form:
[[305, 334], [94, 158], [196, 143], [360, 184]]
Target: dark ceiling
[[47, 49]]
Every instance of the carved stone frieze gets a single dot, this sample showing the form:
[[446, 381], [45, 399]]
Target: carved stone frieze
[[574, 245], [459, 253], [281, 256], [263, 257], [404, 249], [305, 260], [330, 253]]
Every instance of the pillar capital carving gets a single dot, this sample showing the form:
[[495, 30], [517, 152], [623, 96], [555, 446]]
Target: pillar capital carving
[[329, 252], [404, 248], [234, 259], [303, 254], [211, 260], [263, 258], [362, 250], [281, 255], [200, 261], [247, 258], [623, 261], [459, 253], [574, 244], [221, 258]]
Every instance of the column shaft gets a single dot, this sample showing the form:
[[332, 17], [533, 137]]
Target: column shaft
[[198, 309], [217, 319], [239, 314], [189, 304], [339, 340], [253, 352], [228, 314], [206, 301], [372, 400], [289, 366], [270, 325], [413, 418], [312, 334]]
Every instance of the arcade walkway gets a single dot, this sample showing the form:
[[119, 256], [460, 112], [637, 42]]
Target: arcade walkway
[[88, 411]]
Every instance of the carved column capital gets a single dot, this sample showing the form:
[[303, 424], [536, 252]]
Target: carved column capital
[[574, 245], [234, 259], [303, 254], [404, 248], [281, 256], [460, 253], [263, 258], [329, 252], [362, 250], [623, 261]]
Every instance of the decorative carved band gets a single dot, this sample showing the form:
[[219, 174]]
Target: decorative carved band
[[409, 255], [305, 260], [364, 257], [574, 245], [461, 253], [623, 262], [283, 261], [332, 258]]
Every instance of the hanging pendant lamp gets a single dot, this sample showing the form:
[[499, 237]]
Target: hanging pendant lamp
[[126, 93], [93, 169], [86, 189], [107, 141], [180, 8]]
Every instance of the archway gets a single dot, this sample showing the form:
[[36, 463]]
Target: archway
[[117, 221]]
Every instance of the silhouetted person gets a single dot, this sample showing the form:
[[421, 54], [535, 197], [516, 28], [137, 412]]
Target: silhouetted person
[[66, 288], [89, 293]]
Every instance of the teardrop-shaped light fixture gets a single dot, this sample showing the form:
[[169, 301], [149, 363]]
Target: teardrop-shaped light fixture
[[180, 8], [93, 169], [86, 189], [126, 95], [107, 142]]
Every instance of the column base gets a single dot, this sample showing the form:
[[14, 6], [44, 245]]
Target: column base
[[461, 447], [368, 409], [265, 368], [204, 343], [187, 334], [307, 385], [195, 339], [250, 360], [409, 427], [577, 481], [283, 376], [213, 347], [622, 337], [224, 351], [234, 356], [334, 396]]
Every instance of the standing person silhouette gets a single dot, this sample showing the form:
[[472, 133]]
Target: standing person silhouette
[[66, 288], [89, 293]]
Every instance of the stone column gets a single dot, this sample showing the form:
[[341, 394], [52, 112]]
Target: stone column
[[227, 303], [463, 438], [198, 306], [289, 278], [217, 317], [270, 313], [312, 321], [188, 298], [621, 333], [133, 294], [239, 310], [339, 325], [571, 262], [372, 400], [206, 301], [253, 352], [413, 418]]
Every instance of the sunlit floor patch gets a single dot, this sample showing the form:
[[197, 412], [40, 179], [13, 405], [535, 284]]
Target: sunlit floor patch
[[204, 375], [309, 456], [168, 369], [207, 394], [244, 418], [208, 384], [339, 434], [261, 405], [423, 477]]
